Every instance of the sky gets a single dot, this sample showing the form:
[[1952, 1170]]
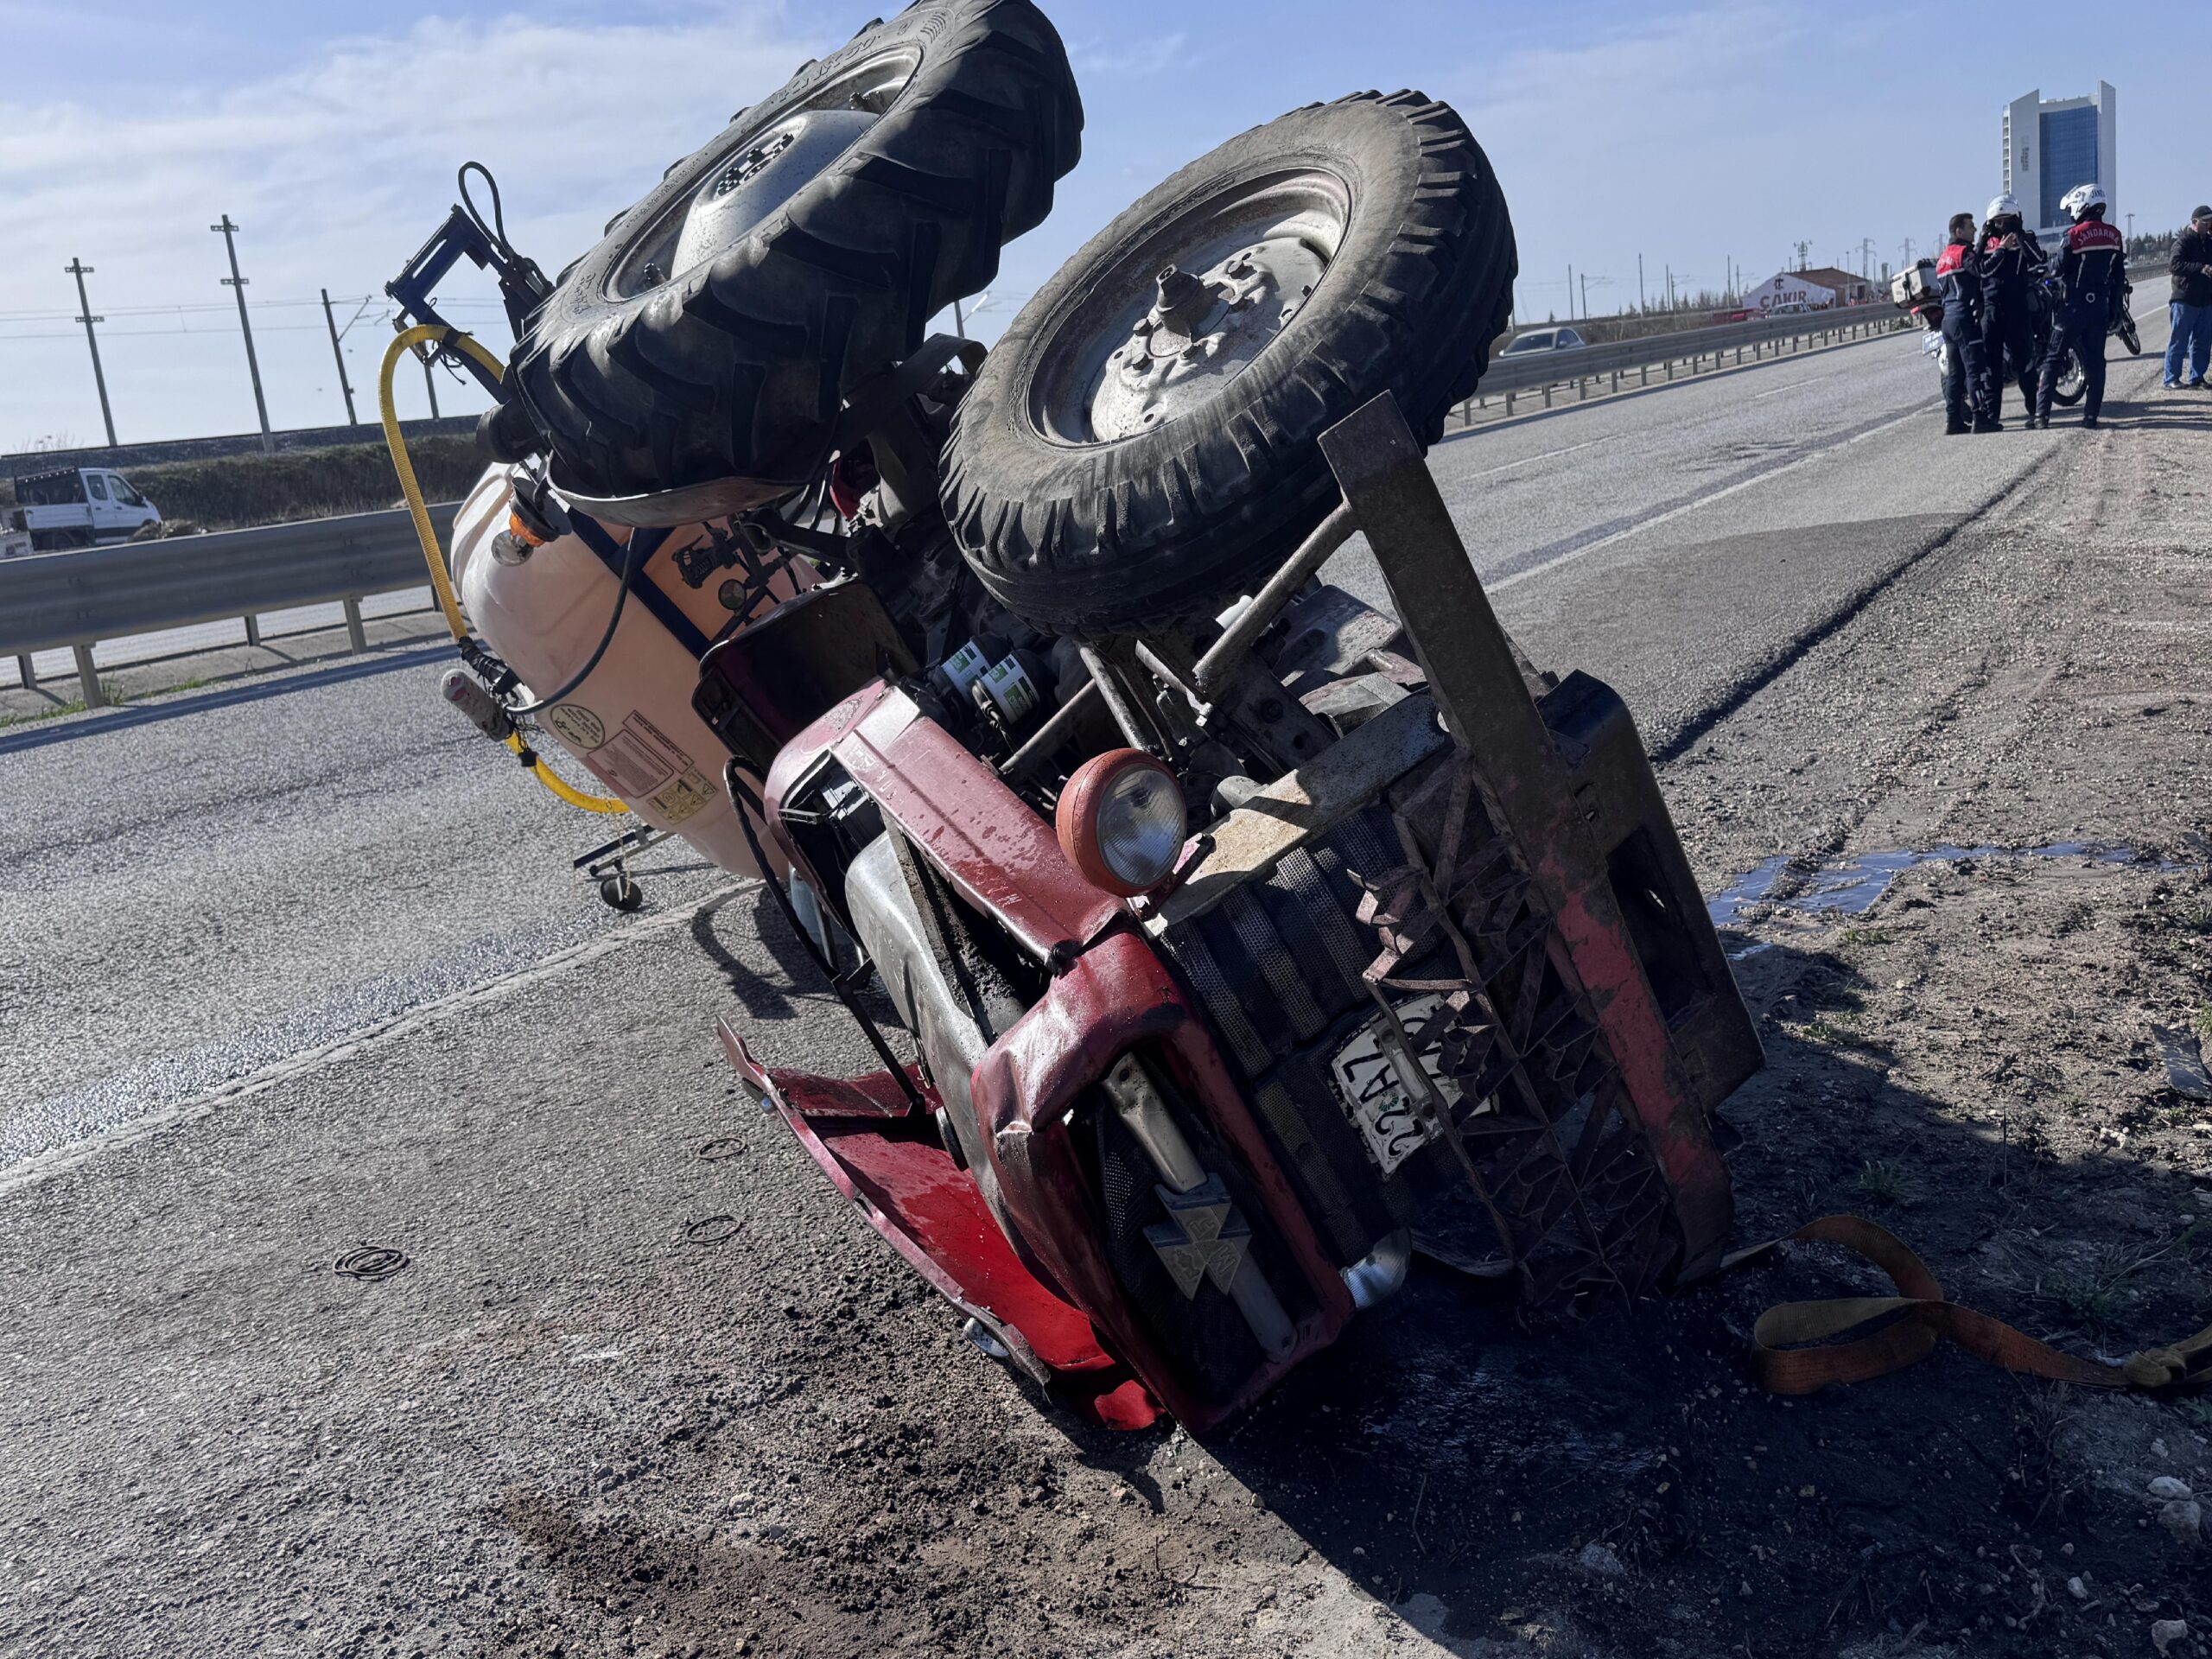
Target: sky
[[1703, 138]]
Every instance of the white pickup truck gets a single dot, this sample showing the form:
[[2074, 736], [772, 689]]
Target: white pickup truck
[[78, 506]]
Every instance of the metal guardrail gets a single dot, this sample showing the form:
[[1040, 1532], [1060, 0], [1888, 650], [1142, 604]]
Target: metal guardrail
[[77, 599], [1724, 344]]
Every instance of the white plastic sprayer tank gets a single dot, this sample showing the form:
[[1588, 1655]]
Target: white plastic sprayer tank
[[631, 723]]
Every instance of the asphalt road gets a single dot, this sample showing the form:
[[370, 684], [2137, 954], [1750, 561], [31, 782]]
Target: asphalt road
[[1677, 542], [189, 900], [327, 944]]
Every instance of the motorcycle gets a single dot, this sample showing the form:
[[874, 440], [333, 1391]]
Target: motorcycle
[[1918, 292], [1915, 291], [2072, 382], [1239, 940]]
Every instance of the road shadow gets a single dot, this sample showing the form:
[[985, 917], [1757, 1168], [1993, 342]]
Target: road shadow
[[794, 984], [2159, 420], [763, 996], [1468, 1464], [2154, 406]]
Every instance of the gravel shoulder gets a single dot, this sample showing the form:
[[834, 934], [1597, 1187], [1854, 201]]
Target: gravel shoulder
[[645, 1385]]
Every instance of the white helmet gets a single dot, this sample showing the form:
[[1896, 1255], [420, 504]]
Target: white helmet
[[2000, 205], [2082, 197]]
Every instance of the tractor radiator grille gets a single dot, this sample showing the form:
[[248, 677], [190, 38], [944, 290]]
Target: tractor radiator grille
[[1203, 1333], [1559, 1182], [1278, 967]]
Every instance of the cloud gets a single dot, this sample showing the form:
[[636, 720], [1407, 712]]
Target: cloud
[[1143, 56], [337, 170], [1679, 69], [1656, 134]]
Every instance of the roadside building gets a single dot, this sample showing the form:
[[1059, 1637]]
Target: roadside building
[[1819, 289], [2052, 146]]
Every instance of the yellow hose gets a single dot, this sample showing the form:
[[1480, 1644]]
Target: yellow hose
[[441, 582], [567, 791]]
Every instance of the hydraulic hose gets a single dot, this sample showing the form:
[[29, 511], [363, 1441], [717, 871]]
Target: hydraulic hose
[[562, 787], [440, 581], [388, 411]]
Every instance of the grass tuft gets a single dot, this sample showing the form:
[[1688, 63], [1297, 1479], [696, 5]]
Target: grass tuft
[[110, 690], [1880, 1183], [2094, 1300]]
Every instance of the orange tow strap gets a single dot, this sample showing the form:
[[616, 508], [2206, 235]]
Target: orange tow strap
[[1911, 1323]]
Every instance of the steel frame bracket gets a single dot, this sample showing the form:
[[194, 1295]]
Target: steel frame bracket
[[1486, 701]]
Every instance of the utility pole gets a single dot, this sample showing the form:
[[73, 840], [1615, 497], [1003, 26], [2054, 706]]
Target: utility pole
[[2130, 227], [236, 283], [344, 385], [79, 269], [1639, 282], [429, 381], [959, 322], [1586, 295], [1570, 293]]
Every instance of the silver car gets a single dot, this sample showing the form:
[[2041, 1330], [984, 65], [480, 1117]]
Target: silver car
[[1544, 339]]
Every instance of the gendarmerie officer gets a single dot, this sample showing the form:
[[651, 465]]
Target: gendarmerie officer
[[1958, 277], [2013, 267], [2092, 276]]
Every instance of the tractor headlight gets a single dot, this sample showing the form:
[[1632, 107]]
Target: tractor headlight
[[1121, 822]]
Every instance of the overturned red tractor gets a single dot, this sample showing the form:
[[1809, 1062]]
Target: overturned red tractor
[[1223, 939]]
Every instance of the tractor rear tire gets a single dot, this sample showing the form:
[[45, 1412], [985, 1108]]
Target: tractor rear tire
[[1083, 510], [642, 381]]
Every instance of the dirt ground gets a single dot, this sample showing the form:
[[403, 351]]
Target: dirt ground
[[1973, 1059], [646, 1386]]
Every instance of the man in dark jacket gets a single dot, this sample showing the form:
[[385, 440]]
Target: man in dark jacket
[[1958, 275], [2012, 266], [2092, 276], [2191, 309]]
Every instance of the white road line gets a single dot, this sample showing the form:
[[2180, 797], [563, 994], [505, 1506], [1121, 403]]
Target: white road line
[[42, 1166], [1549, 565], [1793, 384], [1520, 577], [1548, 455]]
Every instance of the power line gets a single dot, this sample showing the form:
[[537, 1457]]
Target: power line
[[168, 334], [267, 327], [266, 305]]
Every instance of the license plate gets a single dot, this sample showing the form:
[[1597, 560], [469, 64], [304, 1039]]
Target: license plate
[[1380, 1106]]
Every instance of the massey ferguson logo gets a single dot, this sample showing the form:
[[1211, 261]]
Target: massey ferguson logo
[[1205, 1239]]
